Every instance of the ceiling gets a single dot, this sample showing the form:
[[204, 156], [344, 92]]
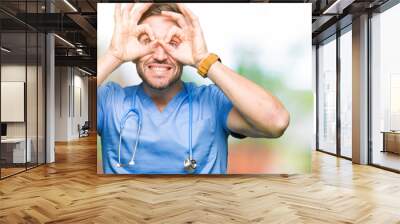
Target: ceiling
[[76, 24]]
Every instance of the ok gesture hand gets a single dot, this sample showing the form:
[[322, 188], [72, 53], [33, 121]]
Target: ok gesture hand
[[125, 44], [190, 47]]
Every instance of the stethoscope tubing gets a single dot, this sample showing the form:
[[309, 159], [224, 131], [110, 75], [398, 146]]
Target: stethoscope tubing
[[190, 126], [139, 115]]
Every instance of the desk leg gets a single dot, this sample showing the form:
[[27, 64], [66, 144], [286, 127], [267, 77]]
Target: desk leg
[[384, 142]]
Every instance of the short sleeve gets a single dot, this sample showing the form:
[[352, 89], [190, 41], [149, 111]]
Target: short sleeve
[[105, 94], [224, 106]]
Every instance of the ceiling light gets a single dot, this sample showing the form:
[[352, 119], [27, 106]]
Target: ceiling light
[[70, 5], [64, 40], [338, 6], [84, 71], [5, 50]]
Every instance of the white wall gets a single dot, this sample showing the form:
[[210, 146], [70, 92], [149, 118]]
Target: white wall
[[61, 103], [69, 85], [79, 117]]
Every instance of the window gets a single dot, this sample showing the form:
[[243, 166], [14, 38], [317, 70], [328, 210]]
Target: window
[[327, 96], [346, 93], [385, 88]]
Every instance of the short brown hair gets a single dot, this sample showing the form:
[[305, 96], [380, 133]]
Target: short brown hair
[[156, 9]]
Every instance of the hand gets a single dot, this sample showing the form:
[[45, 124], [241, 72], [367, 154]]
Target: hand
[[190, 48], [125, 44]]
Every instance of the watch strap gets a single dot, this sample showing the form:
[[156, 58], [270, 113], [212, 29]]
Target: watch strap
[[206, 63]]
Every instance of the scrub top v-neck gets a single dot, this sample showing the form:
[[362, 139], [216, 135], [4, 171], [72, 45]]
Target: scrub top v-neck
[[164, 137]]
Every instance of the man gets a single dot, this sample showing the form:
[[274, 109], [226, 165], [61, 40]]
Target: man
[[165, 125]]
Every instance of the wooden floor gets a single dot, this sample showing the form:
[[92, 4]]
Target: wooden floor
[[70, 191], [5, 172], [387, 159], [10, 171]]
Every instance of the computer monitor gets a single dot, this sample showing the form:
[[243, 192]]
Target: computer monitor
[[3, 129]]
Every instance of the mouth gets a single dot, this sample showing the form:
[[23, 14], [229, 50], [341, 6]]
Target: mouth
[[159, 68]]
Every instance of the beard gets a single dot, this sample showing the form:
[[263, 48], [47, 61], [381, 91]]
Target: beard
[[157, 84]]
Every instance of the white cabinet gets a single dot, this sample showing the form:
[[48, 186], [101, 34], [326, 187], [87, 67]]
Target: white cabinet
[[18, 149]]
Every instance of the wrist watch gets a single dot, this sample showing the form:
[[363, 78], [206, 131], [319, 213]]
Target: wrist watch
[[206, 63]]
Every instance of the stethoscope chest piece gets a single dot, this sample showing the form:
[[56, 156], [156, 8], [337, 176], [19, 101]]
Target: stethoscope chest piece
[[190, 165], [131, 163]]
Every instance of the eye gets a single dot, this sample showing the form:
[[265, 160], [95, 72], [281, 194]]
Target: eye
[[173, 44], [144, 39]]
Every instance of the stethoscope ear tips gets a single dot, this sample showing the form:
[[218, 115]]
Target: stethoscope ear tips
[[190, 165]]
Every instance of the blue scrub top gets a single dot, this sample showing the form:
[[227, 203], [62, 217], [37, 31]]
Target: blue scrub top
[[164, 137]]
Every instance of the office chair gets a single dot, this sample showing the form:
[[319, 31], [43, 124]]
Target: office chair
[[84, 130]]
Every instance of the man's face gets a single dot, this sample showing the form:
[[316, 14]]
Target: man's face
[[158, 69]]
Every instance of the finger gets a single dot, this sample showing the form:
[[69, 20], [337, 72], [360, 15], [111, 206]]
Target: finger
[[174, 31], [188, 13], [138, 12], [117, 12], [129, 7], [149, 48], [126, 10], [145, 29], [171, 50], [177, 17], [182, 9]]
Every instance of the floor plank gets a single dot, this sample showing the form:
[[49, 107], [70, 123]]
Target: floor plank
[[70, 191]]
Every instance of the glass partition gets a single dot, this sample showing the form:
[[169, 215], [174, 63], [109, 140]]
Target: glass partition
[[327, 96], [22, 89], [346, 93], [13, 105]]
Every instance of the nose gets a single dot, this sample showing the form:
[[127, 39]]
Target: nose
[[160, 54]]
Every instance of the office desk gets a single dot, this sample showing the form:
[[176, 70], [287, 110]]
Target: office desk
[[13, 150], [391, 141]]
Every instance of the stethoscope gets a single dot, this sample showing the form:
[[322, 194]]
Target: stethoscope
[[189, 163]]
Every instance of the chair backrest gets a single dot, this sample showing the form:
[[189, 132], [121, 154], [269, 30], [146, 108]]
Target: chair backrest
[[86, 125]]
